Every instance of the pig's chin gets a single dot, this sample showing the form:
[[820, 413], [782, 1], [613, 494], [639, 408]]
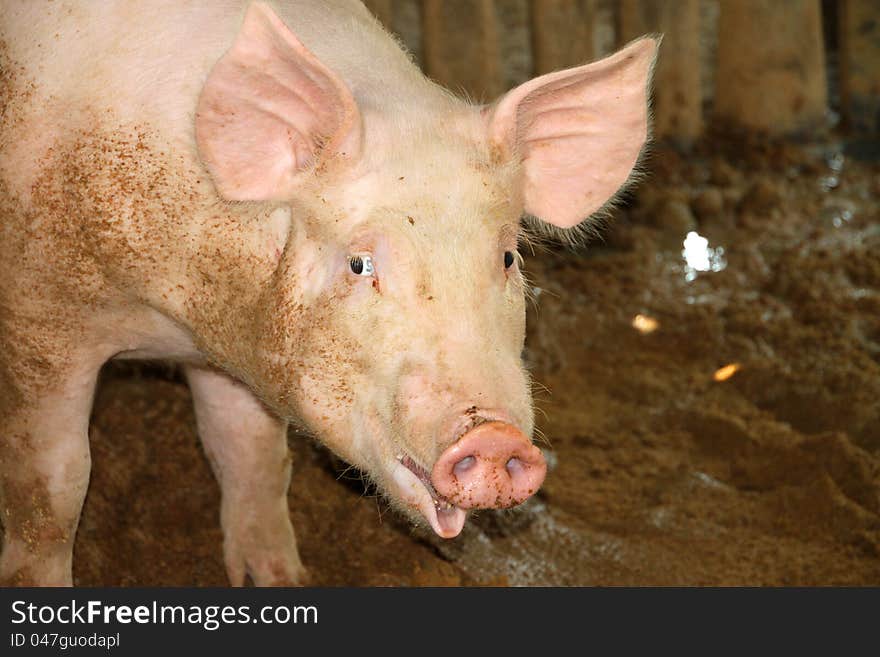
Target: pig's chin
[[414, 487]]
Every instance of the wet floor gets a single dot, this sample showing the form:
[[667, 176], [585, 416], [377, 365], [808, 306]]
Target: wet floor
[[712, 412]]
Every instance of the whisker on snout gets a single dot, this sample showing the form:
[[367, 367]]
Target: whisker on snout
[[542, 412], [541, 437], [537, 386], [344, 473]]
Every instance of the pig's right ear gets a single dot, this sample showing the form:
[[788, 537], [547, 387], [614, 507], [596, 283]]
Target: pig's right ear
[[269, 110], [578, 132]]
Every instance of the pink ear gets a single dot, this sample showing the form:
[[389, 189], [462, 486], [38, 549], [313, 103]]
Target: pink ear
[[579, 132], [268, 110]]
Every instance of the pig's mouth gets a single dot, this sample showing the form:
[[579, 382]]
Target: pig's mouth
[[446, 519]]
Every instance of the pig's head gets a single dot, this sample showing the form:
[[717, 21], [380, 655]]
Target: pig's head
[[394, 322]]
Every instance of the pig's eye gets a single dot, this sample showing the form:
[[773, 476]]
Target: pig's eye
[[362, 265], [508, 259]]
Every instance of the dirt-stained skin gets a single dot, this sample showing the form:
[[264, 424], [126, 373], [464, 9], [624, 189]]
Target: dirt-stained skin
[[97, 258]]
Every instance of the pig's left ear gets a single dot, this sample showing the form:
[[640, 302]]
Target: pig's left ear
[[578, 132], [269, 110]]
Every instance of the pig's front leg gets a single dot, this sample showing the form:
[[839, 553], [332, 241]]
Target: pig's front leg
[[44, 465], [247, 447]]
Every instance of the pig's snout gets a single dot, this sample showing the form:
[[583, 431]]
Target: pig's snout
[[493, 466]]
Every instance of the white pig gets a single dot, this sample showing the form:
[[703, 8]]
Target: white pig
[[273, 195]]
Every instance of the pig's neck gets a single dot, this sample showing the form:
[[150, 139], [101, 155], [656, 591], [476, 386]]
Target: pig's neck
[[229, 256]]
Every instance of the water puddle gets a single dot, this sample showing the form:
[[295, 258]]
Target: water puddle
[[836, 215], [700, 257], [541, 549]]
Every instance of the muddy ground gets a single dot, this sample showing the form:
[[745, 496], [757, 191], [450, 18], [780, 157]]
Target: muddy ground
[[659, 473]]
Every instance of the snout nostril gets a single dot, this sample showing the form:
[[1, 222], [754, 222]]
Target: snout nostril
[[463, 466], [514, 466]]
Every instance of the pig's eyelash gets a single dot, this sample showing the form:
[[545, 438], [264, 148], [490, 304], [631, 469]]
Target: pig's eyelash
[[513, 257], [361, 265]]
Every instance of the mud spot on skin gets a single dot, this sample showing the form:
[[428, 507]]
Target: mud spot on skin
[[6, 81], [474, 420], [28, 515], [115, 221], [21, 577], [15, 90]]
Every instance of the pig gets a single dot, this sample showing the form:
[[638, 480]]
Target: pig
[[272, 195]]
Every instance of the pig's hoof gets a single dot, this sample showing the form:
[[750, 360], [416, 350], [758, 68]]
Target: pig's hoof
[[277, 575], [266, 569]]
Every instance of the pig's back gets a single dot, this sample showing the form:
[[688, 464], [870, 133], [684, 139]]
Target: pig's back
[[147, 61]]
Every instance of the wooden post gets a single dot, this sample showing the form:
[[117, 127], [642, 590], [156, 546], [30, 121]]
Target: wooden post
[[859, 38], [678, 112], [383, 10], [460, 44], [407, 18], [514, 42], [771, 65], [562, 33]]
